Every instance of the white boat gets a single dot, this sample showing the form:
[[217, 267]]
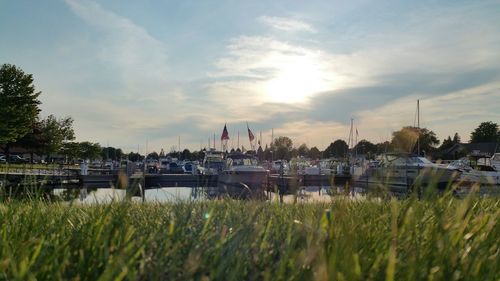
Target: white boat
[[279, 166], [400, 172], [242, 177], [213, 163], [475, 173], [495, 161]]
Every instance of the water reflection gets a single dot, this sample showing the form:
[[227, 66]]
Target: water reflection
[[179, 194]]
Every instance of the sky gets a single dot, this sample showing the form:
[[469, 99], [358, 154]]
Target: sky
[[141, 75]]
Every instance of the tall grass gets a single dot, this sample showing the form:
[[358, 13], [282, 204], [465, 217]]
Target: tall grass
[[434, 239]]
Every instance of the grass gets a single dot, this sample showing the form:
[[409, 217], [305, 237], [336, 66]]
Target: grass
[[443, 238]]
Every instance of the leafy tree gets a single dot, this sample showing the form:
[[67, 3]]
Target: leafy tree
[[71, 150], [119, 154], [34, 141], [282, 146], [447, 144], [260, 153], [18, 105], [303, 150], [406, 139], [314, 153], [89, 150], [82, 150], [48, 135], [55, 132], [186, 154], [337, 148], [134, 157], [111, 153], [384, 147], [366, 147], [486, 132], [153, 155], [456, 138]]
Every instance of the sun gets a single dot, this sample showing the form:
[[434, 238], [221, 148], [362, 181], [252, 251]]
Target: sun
[[295, 82]]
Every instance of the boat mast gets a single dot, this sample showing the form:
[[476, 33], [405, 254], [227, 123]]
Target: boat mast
[[418, 127]]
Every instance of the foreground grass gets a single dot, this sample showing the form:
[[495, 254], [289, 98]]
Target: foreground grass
[[438, 239]]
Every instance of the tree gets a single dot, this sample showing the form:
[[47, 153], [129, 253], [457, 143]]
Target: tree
[[71, 150], [186, 154], [406, 139], [55, 132], [456, 138], [314, 153], [18, 105], [48, 135], [153, 155], [282, 147], [365, 147], [303, 150], [485, 132], [337, 148], [447, 144], [134, 157], [384, 147], [88, 150], [260, 153]]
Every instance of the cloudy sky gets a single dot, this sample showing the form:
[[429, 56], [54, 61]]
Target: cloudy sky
[[148, 72]]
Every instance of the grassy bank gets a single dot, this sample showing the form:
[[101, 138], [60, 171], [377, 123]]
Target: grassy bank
[[438, 239]]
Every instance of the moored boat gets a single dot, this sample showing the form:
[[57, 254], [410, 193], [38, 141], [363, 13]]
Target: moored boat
[[401, 172], [242, 177]]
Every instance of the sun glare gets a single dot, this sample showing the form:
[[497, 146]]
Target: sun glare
[[296, 82]]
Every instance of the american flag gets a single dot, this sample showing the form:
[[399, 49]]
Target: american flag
[[225, 134], [250, 134]]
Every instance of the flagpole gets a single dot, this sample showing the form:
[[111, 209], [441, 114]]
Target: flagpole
[[238, 139], [272, 136]]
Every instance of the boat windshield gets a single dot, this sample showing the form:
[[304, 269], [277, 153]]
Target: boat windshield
[[403, 160], [215, 165], [243, 162], [459, 164], [496, 157]]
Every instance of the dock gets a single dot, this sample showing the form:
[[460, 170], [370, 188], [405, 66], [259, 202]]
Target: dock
[[73, 180]]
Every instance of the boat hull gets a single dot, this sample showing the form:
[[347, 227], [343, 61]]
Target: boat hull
[[404, 180], [242, 184]]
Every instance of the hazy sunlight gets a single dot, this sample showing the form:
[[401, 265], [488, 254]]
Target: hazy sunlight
[[296, 82]]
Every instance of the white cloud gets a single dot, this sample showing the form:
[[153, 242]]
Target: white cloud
[[262, 69], [313, 133], [459, 111], [286, 24], [137, 94]]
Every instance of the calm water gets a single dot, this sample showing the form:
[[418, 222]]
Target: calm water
[[178, 194]]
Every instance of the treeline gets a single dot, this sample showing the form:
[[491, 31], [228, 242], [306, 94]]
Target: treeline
[[408, 139]]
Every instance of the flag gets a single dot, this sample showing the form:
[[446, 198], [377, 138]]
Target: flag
[[357, 132], [225, 134], [250, 134]]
